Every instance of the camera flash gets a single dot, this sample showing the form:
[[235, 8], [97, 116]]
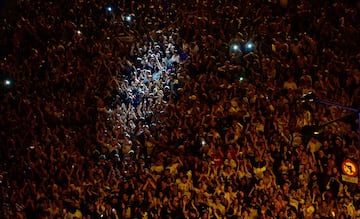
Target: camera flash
[[249, 45], [7, 82], [128, 18]]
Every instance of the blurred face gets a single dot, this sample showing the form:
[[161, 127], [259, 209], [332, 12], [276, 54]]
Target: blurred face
[[326, 144], [229, 156], [125, 197], [184, 179], [272, 146], [176, 202], [335, 170], [91, 207]]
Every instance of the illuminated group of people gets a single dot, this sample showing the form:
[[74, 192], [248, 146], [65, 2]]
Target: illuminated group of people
[[169, 109]]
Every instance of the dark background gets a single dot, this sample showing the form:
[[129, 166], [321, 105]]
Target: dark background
[[7, 8]]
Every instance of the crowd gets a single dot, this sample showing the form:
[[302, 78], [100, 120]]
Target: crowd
[[178, 109]]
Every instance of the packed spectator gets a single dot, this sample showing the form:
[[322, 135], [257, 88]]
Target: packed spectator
[[178, 109]]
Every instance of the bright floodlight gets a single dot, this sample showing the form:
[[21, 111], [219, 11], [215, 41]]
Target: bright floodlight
[[109, 9]]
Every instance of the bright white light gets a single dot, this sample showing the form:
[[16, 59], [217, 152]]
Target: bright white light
[[128, 18], [78, 32], [7, 82], [109, 9], [235, 47], [241, 78], [249, 45]]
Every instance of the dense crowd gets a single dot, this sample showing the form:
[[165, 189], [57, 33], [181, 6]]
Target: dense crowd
[[178, 109]]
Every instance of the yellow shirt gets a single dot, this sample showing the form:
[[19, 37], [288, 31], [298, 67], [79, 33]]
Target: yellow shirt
[[259, 172], [184, 187], [173, 168], [314, 145], [157, 169], [219, 207], [76, 215]]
